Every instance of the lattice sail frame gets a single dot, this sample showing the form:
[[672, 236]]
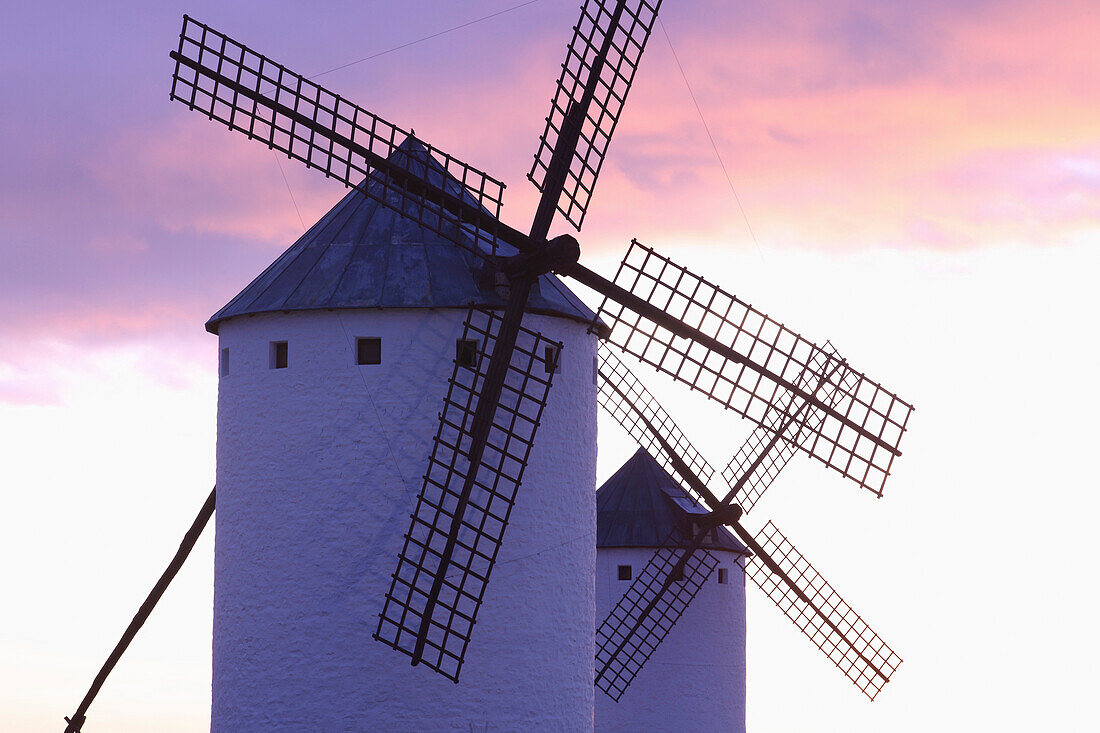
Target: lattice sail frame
[[858, 437], [248, 92], [621, 649], [515, 422], [838, 380], [628, 40], [623, 396], [852, 645]]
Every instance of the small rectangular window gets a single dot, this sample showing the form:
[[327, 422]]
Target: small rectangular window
[[626, 572], [368, 351], [551, 358], [595, 370], [223, 363], [279, 354], [722, 577], [466, 352]]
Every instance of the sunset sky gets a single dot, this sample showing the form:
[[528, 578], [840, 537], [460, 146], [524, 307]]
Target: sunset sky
[[918, 182]]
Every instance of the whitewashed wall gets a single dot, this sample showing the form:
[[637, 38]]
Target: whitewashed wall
[[695, 681], [319, 466]]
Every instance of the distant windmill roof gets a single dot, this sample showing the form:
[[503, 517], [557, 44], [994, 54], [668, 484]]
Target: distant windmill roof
[[641, 504], [365, 255]]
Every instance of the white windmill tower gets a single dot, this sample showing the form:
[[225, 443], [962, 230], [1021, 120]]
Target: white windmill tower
[[335, 362], [696, 678], [410, 294]]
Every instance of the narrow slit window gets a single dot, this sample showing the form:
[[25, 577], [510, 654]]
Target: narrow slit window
[[595, 370], [368, 351], [551, 358], [466, 352], [626, 572], [723, 578], [223, 363], [280, 353]]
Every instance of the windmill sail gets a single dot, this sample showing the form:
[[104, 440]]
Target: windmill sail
[[747, 361], [648, 611], [429, 615], [626, 399], [250, 93], [753, 476], [607, 45], [423, 586], [796, 588]]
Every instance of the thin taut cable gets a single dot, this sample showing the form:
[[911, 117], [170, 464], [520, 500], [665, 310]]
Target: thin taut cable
[[709, 135], [292, 199], [437, 34]]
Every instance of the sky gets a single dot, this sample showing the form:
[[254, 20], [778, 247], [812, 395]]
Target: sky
[[918, 183]]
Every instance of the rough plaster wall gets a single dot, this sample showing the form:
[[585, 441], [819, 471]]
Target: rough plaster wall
[[696, 679], [319, 466]]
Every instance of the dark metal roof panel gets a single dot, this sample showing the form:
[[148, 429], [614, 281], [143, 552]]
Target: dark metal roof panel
[[316, 285], [365, 255], [637, 507], [407, 281], [361, 284]]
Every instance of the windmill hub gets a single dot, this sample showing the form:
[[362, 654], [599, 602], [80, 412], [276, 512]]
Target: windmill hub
[[724, 515], [557, 254]]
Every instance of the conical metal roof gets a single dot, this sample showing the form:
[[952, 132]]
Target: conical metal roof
[[365, 255], [641, 504]]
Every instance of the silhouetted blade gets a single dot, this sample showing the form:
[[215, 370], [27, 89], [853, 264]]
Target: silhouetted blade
[[757, 481], [627, 400], [486, 515], [250, 93], [646, 613], [625, 32], [759, 363], [821, 614]]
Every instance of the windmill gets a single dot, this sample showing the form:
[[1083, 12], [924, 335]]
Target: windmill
[[657, 311], [664, 589]]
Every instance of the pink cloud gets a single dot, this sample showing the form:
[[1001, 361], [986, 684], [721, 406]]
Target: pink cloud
[[831, 154], [942, 125]]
